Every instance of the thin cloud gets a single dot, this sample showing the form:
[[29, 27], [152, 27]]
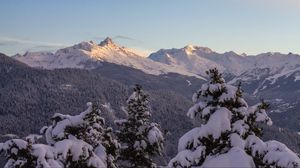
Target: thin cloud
[[44, 48], [4, 41], [121, 37], [8, 43]]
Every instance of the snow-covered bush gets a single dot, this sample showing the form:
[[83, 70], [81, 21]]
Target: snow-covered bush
[[229, 134], [140, 139], [72, 141]]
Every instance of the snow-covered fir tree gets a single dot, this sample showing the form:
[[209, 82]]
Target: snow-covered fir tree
[[228, 135], [88, 126], [140, 138], [72, 141], [25, 153]]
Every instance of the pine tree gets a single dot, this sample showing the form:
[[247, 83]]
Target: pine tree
[[88, 126], [228, 136], [140, 139]]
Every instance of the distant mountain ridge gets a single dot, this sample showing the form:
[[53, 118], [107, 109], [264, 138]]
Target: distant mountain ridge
[[89, 55], [272, 76], [198, 59], [243, 68], [190, 60]]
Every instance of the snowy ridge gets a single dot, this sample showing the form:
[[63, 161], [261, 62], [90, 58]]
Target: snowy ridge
[[89, 55], [198, 59], [265, 69], [190, 60]]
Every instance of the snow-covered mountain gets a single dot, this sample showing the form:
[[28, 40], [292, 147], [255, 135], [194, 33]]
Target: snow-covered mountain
[[89, 55], [260, 72], [266, 67], [272, 76]]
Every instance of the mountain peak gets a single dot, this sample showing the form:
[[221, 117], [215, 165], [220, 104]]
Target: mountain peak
[[192, 48], [106, 41]]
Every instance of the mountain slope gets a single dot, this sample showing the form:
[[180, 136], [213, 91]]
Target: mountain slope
[[198, 59], [88, 55], [271, 76]]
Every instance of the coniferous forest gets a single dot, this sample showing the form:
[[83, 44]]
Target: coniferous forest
[[228, 134]]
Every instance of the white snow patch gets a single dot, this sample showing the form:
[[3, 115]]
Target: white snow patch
[[235, 157]]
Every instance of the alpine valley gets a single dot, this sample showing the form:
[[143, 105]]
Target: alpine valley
[[36, 85]]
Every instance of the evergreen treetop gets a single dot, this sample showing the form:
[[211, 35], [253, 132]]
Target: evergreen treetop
[[140, 139]]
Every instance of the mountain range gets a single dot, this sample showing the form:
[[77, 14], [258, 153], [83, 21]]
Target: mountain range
[[36, 85], [273, 76], [89, 55], [190, 60]]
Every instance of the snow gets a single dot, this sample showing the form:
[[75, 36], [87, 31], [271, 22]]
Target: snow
[[279, 154], [189, 82], [100, 151], [260, 115], [197, 60], [62, 121], [215, 87], [190, 60], [235, 157], [155, 135], [10, 135], [46, 156], [78, 150], [89, 55], [21, 144], [238, 144], [297, 78], [140, 145], [33, 138], [192, 112], [240, 127], [120, 121], [237, 141], [229, 94], [273, 152], [218, 123], [189, 138], [185, 157]]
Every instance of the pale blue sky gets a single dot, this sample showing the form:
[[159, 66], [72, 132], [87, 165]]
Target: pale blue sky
[[250, 26]]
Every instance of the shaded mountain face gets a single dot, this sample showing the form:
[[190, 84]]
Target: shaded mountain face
[[8, 62]]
